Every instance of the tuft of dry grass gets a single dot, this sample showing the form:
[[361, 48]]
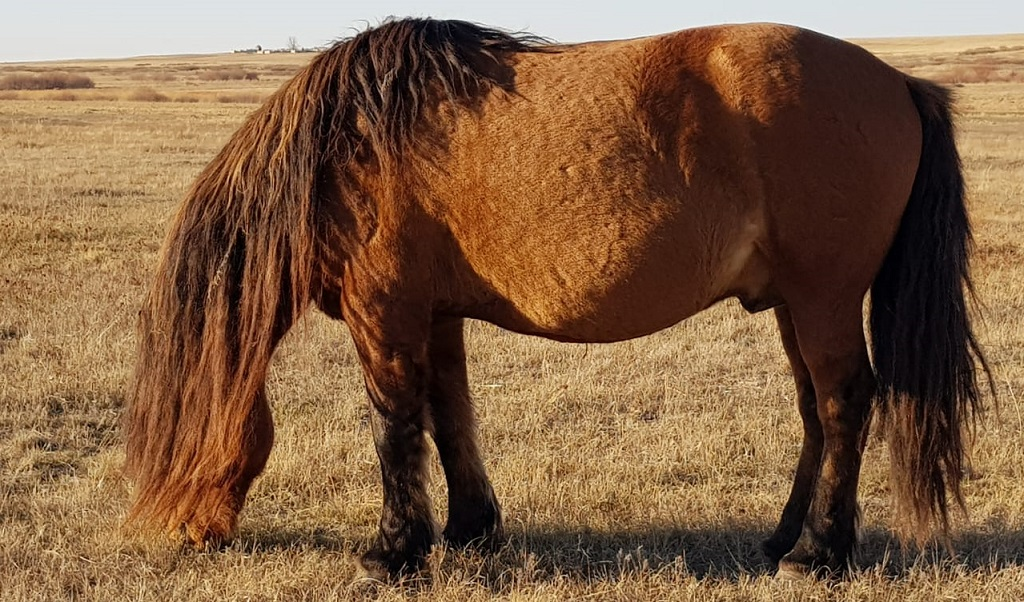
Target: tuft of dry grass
[[241, 97], [158, 76], [643, 470], [64, 95], [979, 73], [147, 95], [229, 75], [45, 81]]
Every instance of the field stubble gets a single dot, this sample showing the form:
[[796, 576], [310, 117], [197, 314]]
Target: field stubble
[[649, 469]]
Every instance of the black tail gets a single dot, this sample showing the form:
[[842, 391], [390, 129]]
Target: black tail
[[925, 351]]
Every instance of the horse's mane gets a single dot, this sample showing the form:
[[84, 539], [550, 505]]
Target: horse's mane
[[239, 260], [389, 74]]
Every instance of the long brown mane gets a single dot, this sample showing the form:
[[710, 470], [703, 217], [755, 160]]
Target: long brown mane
[[237, 267]]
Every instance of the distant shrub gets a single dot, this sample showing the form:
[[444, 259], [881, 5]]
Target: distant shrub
[[187, 98], [147, 95], [229, 75], [45, 81], [65, 95], [249, 98], [972, 74], [977, 74], [153, 77]]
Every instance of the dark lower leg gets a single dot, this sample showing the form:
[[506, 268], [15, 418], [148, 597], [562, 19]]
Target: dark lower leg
[[473, 512], [390, 327], [788, 530], [828, 536], [406, 524], [395, 367]]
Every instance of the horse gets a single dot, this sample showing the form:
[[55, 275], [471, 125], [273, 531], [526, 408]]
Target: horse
[[424, 172]]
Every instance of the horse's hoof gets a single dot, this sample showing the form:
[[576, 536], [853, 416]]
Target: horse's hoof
[[370, 572], [774, 551], [481, 540], [374, 567], [476, 526], [384, 566], [801, 565], [367, 583], [793, 571]]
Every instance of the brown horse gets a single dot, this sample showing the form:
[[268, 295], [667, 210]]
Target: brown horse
[[424, 171]]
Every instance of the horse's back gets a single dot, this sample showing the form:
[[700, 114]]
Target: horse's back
[[627, 185]]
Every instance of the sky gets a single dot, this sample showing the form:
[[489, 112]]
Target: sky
[[33, 30]]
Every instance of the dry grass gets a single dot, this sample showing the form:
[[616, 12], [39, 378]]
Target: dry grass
[[147, 95], [957, 60], [229, 75], [241, 97], [646, 470], [218, 79], [45, 81]]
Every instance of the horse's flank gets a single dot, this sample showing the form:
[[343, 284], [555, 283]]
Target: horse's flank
[[710, 176]]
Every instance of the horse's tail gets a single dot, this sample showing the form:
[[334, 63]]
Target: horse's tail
[[925, 351], [235, 272]]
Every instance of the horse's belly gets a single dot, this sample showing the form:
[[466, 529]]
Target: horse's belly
[[581, 226], [612, 288], [600, 321]]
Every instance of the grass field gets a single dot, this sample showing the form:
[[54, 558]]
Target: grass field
[[644, 470]]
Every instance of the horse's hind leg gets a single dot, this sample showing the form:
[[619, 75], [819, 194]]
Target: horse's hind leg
[[473, 512], [393, 353], [831, 342], [788, 530]]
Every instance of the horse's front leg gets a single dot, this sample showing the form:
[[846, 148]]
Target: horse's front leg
[[474, 516], [395, 365]]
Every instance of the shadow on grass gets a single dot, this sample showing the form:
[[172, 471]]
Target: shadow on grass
[[729, 554], [726, 553], [993, 547], [252, 541]]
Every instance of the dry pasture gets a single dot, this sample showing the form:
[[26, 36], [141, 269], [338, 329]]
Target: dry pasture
[[644, 470]]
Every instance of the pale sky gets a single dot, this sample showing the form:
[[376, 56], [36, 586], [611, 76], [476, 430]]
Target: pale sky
[[33, 30]]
